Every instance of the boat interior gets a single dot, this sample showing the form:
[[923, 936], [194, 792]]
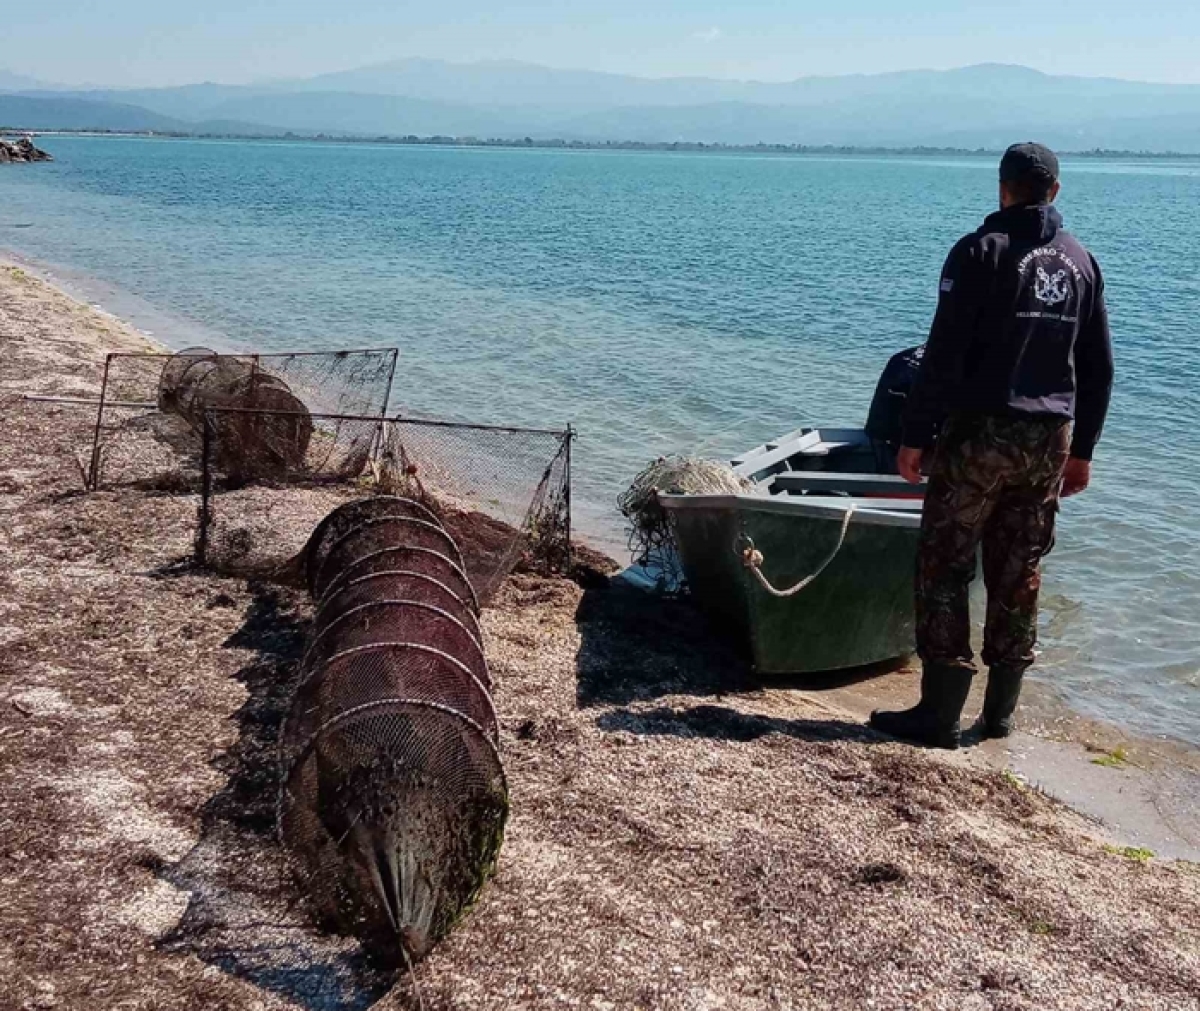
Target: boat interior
[[823, 462]]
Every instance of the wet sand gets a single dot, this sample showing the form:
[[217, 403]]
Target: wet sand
[[1140, 792]]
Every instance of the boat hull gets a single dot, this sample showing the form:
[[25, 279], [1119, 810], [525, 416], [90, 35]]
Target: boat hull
[[857, 612]]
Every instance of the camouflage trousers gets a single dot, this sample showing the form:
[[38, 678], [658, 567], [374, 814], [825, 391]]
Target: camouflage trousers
[[995, 483]]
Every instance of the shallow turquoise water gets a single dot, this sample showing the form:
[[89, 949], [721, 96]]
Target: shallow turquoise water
[[664, 302]]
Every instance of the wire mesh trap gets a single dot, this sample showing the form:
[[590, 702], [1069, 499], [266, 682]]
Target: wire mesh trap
[[408, 558], [273, 442], [150, 414], [393, 802], [171, 377], [257, 524], [396, 585], [501, 494], [375, 533], [341, 521], [392, 818], [365, 674], [398, 621]]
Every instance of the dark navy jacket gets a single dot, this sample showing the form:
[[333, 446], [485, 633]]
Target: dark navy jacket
[[1021, 330], [885, 422]]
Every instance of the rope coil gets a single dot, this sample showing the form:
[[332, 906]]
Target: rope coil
[[753, 560]]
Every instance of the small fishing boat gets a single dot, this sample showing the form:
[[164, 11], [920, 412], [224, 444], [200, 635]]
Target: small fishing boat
[[811, 569]]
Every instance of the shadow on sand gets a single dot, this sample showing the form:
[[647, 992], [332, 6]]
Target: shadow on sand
[[242, 914], [636, 647], [724, 723]]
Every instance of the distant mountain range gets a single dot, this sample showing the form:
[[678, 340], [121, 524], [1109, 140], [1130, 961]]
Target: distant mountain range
[[69, 113], [985, 106]]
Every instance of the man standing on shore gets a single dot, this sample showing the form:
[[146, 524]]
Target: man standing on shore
[[1019, 349]]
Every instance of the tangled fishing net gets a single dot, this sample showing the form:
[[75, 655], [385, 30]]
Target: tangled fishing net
[[651, 535]]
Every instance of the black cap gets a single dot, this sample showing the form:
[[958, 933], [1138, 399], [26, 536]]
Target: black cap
[[1029, 161]]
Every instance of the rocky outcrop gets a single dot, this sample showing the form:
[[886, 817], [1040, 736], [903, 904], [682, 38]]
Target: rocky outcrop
[[21, 150]]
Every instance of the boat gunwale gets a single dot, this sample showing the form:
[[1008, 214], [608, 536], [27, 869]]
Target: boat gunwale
[[832, 508]]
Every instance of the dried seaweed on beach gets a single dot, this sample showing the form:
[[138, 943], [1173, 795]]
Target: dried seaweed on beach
[[681, 837]]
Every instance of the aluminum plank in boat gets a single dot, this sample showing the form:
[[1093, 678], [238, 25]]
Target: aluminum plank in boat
[[857, 484], [772, 454]]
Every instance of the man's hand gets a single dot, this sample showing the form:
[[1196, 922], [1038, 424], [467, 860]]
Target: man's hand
[[1076, 477], [909, 462]]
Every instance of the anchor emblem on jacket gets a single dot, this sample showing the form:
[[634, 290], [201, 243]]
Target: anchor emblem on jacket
[[1051, 289]]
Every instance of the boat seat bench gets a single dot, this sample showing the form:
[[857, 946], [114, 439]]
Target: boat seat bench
[[866, 485], [772, 456]]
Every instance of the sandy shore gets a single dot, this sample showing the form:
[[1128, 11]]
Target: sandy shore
[[680, 839]]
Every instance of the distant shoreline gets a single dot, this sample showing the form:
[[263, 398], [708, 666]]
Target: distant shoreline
[[553, 144]]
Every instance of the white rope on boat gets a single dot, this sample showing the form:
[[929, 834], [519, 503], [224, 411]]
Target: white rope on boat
[[752, 558]]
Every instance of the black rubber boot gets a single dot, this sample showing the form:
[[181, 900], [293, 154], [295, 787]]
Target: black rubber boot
[[1000, 701], [934, 721]]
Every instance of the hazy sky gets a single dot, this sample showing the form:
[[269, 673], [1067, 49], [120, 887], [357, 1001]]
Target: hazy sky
[[148, 42]]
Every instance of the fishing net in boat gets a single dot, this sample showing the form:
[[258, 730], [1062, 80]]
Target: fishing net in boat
[[392, 818], [651, 535]]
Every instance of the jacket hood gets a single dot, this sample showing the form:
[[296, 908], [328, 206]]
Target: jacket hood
[[1039, 222]]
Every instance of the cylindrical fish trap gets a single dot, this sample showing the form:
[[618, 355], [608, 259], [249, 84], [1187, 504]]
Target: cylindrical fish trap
[[171, 380], [393, 817], [269, 429], [364, 674], [204, 379], [346, 517], [398, 621], [393, 802], [408, 558], [394, 586], [375, 534]]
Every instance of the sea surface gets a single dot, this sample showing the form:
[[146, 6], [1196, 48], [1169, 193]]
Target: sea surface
[[663, 303]]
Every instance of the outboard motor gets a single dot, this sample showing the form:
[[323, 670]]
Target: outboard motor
[[885, 422]]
